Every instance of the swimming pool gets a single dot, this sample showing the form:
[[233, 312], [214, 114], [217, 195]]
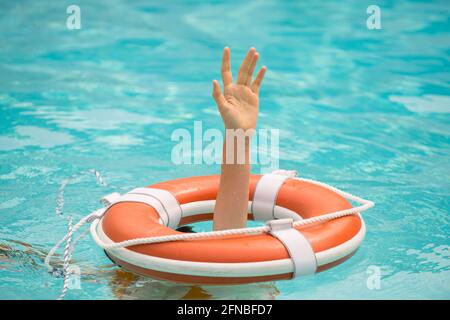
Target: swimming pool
[[365, 110]]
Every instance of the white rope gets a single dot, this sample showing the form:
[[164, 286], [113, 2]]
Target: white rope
[[89, 218], [366, 204], [181, 237], [67, 257], [80, 237], [68, 237], [99, 177], [60, 198]]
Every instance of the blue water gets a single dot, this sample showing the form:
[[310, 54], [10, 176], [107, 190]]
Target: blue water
[[365, 110]]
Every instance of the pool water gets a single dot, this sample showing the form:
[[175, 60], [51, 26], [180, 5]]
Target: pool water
[[365, 110]]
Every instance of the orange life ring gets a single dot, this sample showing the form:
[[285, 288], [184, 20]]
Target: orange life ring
[[228, 259]]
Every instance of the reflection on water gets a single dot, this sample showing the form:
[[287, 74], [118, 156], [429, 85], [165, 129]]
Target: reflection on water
[[21, 257], [128, 286], [33, 136], [427, 103]]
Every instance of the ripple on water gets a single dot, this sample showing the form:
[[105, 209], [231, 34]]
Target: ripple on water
[[426, 103]]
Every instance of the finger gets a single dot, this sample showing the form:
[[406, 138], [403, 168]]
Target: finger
[[242, 76], [227, 77], [217, 94], [252, 68], [258, 80]]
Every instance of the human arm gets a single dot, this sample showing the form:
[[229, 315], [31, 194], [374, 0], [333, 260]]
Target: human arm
[[239, 107]]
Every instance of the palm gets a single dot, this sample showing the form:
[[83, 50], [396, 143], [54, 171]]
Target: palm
[[241, 107], [239, 104]]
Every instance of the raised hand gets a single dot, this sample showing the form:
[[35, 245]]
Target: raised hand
[[239, 109], [239, 104]]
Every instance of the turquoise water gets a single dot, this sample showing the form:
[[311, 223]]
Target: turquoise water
[[365, 110]]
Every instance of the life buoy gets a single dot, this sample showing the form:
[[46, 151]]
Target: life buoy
[[284, 252]]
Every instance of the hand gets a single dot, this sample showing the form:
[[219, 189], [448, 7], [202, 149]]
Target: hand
[[240, 102]]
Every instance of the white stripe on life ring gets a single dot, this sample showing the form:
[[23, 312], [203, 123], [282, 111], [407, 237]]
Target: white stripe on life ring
[[168, 202], [265, 196], [299, 248], [207, 206]]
